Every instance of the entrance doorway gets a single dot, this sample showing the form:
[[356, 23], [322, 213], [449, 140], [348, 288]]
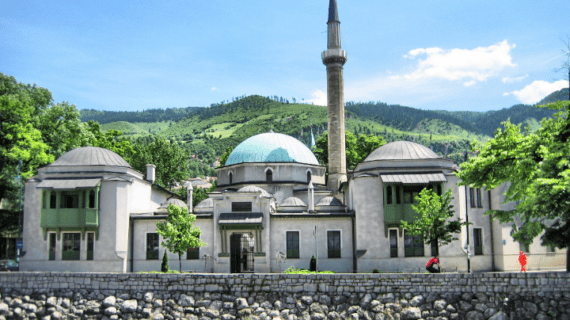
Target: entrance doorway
[[241, 253]]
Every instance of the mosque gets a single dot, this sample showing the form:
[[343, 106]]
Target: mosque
[[274, 208]]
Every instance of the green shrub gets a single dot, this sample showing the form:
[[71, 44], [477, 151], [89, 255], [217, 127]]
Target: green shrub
[[293, 270], [375, 271], [313, 264], [164, 266]]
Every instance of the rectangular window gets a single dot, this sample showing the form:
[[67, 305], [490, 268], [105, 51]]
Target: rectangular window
[[241, 206], [410, 194], [414, 246], [393, 243], [472, 197], [292, 245], [478, 241], [69, 200], [434, 249], [152, 246], [45, 195], [389, 195], [193, 253], [550, 249], [398, 196], [90, 244], [52, 200], [71, 246], [479, 199], [52, 238], [333, 244], [524, 247]]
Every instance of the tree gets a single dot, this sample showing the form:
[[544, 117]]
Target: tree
[[432, 224], [178, 231], [537, 170], [225, 156], [169, 158], [356, 149], [164, 265]]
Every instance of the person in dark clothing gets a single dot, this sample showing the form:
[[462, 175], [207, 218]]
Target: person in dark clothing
[[430, 265]]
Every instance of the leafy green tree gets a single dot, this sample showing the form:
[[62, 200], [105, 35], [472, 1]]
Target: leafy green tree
[[112, 140], [169, 158], [432, 224], [178, 231], [225, 156], [356, 149], [536, 167]]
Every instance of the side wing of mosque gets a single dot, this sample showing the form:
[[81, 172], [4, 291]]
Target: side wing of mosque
[[275, 207]]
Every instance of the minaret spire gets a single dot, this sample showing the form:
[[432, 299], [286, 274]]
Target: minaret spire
[[334, 58]]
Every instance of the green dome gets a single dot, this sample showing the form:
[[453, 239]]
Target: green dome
[[271, 147]]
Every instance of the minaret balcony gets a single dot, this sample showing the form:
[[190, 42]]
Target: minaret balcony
[[334, 55]]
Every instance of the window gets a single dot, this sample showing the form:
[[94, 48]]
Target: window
[[524, 247], [479, 202], [292, 245], [393, 243], [398, 199], [91, 203], [414, 246], [152, 246], [472, 197], [388, 195], [69, 200], [193, 253], [90, 244], [269, 176], [52, 246], [410, 194], [439, 189], [434, 249], [550, 249], [478, 241], [231, 175], [45, 197], [241, 206], [52, 200], [71, 246], [333, 244], [309, 177]]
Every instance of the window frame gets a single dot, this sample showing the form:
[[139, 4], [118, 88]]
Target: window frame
[[389, 200], [236, 206], [147, 244], [287, 232], [479, 198], [65, 254], [478, 252], [393, 249], [414, 246], [472, 197], [340, 244], [269, 175]]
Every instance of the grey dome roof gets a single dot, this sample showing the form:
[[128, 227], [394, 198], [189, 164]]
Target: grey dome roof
[[255, 189], [91, 156], [206, 203], [174, 201], [329, 201], [271, 147], [292, 202], [402, 150]]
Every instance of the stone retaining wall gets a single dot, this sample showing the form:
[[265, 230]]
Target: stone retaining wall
[[279, 296]]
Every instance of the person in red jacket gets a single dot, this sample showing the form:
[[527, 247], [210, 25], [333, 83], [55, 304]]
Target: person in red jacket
[[431, 268], [522, 261]]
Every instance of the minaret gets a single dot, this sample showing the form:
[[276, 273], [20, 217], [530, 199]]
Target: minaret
[[334, 58]]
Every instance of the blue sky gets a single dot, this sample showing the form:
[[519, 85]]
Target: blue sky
[[127, 55]]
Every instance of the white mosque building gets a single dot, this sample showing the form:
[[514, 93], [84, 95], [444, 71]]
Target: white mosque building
[[91, 211]]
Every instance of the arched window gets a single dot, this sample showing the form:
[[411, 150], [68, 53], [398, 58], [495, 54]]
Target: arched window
[[398, 199], [389, 195], [231, 177], [269, 175], [308, 176]]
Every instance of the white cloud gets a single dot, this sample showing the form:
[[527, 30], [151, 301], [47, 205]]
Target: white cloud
[[537, 90], [319, 98], [511, 80], [462, 64], [214, 89]]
